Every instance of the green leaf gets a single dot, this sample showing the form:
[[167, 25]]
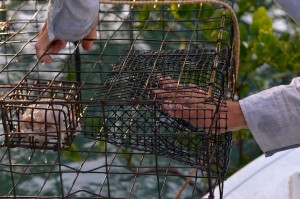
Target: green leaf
[[259, 49], [285, 36], [286, 48], [265, 25], [259, 14], [101, 146], [243, 33], [186, 11], [261, 22], [264, 37], [71, 75], [280, 60]]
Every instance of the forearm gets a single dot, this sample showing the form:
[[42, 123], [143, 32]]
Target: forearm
[[273, 117]]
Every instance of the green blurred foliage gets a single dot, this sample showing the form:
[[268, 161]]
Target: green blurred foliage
[[73, 154], [267, 57]]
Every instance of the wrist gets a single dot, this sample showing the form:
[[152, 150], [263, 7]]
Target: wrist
[[236, 119]]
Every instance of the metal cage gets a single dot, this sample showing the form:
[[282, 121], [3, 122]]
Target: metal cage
[[91, 125]]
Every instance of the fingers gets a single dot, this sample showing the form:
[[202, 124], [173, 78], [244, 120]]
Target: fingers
[[189, 95], [56, 46], [177, 97], [88, 41], [42, 45], [193, 96], [43, 28], [190, 103], [170, 84], [197, 117]]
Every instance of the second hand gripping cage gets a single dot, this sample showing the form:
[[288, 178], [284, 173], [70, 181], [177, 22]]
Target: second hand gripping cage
[[149, 55]]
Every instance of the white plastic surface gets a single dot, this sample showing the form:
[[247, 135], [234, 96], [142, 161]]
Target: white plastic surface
[[266, 178]]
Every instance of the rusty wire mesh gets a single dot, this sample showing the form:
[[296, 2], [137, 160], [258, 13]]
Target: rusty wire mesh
[[90, 125]]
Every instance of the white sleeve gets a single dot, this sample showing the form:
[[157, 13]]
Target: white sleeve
[[273, 116], [71, 20], [291, 7]]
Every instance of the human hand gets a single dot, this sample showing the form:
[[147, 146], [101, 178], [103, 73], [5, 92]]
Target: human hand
[[44, 47], [193, 105]]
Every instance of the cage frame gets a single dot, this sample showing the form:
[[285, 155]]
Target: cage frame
[[234, 75]]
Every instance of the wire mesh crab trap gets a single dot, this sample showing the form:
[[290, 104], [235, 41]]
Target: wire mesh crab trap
[[96, 124]]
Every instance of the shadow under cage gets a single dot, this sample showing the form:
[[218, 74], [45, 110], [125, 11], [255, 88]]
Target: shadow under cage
[[91, 123]]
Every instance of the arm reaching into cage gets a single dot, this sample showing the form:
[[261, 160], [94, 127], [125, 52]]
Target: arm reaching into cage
[[67, 21], [188, 103], [272, 115]]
